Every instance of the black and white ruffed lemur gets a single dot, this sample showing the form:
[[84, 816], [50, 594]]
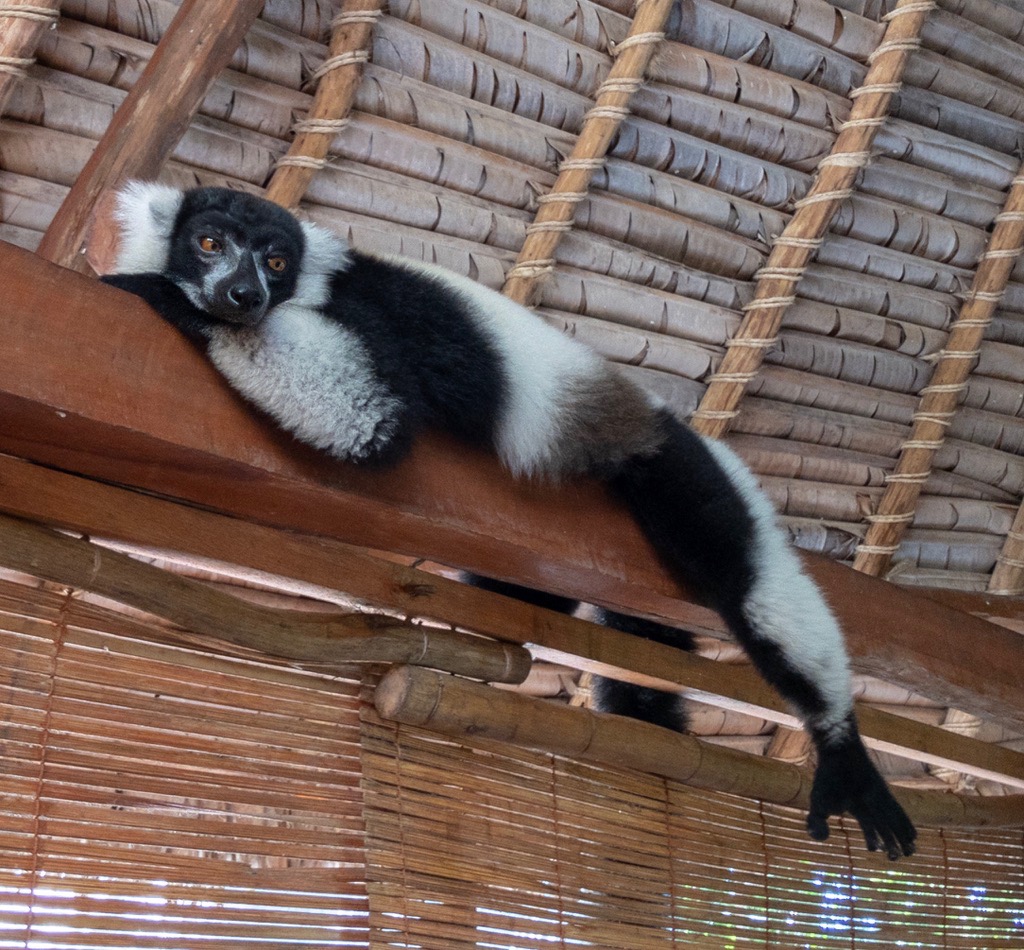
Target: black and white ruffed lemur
[[355, 354]]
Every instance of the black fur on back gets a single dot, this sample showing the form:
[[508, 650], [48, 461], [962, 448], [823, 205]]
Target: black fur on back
[[424, 344]]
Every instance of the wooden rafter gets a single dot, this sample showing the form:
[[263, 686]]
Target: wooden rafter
[[1008, 574], [338, 78], [939, 399], [536, 258], [21, 28], [793, 250], [144, 131]]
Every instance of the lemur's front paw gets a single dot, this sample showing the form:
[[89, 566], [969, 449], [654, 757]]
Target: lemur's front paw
[[122, 281], [846, 780]]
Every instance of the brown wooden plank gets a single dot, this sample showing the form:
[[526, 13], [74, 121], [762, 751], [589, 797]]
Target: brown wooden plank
[[93, 383], [198, 44]]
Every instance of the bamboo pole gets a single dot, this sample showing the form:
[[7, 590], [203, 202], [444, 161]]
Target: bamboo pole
[[328, 639], [21, 29], [1008, 574], [938, 402], [339, 76], [465, 710], [147, 126], [794, 249], [536, 258]]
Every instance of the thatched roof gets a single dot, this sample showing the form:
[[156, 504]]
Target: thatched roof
[[800, 223]]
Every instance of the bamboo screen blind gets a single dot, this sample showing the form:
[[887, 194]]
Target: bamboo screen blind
[[155, 795], [484, 846]]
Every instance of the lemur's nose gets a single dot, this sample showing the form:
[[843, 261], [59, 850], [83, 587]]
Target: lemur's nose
[[244, 296]]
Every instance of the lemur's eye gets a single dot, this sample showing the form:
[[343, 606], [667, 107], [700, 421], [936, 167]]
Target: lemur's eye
[[277, 264], [210, 244]]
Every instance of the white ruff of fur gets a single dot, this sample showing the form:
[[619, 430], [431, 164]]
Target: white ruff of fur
[[313, 377], [325, 253], [542, 366], [145, 213], [786, 607]]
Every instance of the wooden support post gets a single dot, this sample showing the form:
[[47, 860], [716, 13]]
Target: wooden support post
[[199, 43]]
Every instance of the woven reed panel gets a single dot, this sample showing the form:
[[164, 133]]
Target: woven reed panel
[[480, 844], [465, 111]]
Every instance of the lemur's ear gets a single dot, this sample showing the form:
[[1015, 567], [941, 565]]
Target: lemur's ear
[[146, 213], [325, 253]]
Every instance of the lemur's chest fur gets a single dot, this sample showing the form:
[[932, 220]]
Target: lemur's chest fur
[[314, 377]]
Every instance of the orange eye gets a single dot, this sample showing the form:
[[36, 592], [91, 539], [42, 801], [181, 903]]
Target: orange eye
[[277, 264], [210, 244]]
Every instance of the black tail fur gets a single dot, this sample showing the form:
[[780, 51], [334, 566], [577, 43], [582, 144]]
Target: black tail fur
[[612, 696], [703, 531]]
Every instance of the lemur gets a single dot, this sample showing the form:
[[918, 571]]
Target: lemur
[[356, 354]]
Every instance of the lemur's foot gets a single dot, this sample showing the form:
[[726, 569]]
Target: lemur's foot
[[846, 780]]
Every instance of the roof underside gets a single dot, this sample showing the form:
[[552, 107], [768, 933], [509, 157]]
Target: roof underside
[[799, 224]]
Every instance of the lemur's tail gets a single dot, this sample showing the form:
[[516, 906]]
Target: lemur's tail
[[612, 696], [640, 702], [715, 532]]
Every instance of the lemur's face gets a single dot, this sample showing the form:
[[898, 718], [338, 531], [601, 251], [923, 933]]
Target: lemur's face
[[235, 257]]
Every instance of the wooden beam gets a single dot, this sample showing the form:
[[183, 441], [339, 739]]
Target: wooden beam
[[94, 383], [320, 567], [1004, 609], [328, 639], [461, 709], [146, 128]]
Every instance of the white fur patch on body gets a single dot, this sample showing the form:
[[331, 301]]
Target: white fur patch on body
[[314, 377], [543, 367], [785, 606]]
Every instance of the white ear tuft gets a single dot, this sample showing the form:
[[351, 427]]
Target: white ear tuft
[[325, 254], [146, 212]]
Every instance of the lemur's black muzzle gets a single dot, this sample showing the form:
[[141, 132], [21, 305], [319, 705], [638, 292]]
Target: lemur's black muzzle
[[241, 296]]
